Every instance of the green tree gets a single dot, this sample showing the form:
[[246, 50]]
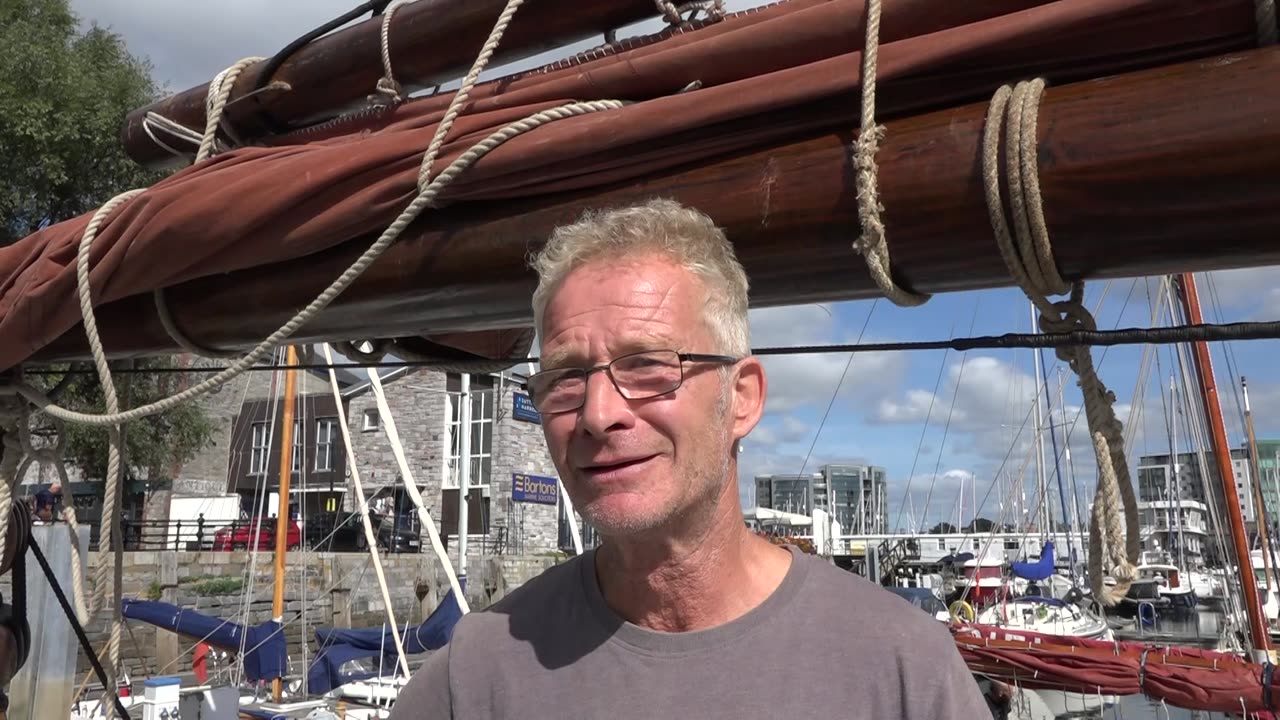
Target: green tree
[[63, 98], [156, 446]]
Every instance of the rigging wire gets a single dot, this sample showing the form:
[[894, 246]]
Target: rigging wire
[[836, 393], [946, 428], [928, 416], [1207, 332]]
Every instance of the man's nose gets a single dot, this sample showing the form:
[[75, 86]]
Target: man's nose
[[604, 408]]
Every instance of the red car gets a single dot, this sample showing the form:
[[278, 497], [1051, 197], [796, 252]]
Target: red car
[[239, 537]]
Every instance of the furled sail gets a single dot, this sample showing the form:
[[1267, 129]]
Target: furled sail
[[266, 655], [774, 90]]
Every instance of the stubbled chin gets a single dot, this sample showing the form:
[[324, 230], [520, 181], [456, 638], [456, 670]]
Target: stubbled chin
[[615, 513]]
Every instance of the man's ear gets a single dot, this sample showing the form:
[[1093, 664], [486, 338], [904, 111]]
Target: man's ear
[[748, 394]]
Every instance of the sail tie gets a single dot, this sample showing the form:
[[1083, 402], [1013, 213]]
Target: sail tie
[[872, 244], [388, 90], [1028, 253], [673, 13]]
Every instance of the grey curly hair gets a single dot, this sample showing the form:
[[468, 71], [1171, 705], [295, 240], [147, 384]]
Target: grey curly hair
[[662, 227]]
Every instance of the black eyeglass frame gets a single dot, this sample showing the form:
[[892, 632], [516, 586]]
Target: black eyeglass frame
[[607, 369]]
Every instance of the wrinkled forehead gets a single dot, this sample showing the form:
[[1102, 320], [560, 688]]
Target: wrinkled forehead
[[620, 307]]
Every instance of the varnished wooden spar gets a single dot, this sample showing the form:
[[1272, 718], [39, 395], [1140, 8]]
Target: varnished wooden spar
[[432, 41], [1162, 171]]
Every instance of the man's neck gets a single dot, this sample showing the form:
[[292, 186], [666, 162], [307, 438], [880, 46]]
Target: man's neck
[[691, 583]]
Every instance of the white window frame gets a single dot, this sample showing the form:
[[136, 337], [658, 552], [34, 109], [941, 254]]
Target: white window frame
[[325, 429], [259, 448], [299, 449], [483, 421], [370, 420]]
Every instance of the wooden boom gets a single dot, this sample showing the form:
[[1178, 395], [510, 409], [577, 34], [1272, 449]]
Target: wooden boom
[[432, 41], [1160, 171]]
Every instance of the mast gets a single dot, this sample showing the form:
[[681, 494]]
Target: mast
[[1177, 475], [1171, 480], [464, 475], [282, 506], [1255, 472], [1042, 491], [1222, 455]]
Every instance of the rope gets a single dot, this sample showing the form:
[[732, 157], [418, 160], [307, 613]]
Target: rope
[[216, 102], [424, 200], [1265, 16], [387, 86], [873, 245], [674, 14], [411, 485], [370, 538], [1028, 253]]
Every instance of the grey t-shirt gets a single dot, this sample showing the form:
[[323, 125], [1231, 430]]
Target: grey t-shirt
[[825, 644]]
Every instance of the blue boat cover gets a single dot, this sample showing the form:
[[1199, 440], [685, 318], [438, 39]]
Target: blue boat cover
[[266, 656], [1038, 570], [339, 646]]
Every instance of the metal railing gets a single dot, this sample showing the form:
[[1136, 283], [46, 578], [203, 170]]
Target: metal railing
[[205, 535]]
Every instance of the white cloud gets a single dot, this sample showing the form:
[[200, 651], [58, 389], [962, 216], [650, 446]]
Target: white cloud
[[799, 380]]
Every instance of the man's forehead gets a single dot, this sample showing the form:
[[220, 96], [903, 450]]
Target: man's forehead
[[576, 348]]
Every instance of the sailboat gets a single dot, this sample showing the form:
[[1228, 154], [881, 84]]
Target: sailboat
[[425, 225]]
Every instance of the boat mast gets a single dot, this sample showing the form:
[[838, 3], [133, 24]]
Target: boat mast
[[282, 504], [1042, 492], [1171, 483], [464, 475], [1222, 455], [1256, 473]]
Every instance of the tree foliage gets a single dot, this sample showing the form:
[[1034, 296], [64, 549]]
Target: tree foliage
[[64, 94], [156, 446]]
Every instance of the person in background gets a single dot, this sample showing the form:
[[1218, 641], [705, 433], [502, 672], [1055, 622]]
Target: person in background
[[46, 502], [647, 385]]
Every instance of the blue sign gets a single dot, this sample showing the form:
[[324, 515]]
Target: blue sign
[[523, 409], [534, 489]]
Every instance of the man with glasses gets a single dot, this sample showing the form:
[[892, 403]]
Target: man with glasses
[[647, 385]]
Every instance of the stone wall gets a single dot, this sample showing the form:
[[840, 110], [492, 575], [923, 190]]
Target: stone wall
[[206, 473], [332, 589], [417, 400]]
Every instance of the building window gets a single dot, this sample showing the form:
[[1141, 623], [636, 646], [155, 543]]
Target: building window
[[481, 451], [324, 443], [258, 449], [370, 420], [299, 448]]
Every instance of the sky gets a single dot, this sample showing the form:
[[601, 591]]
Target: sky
[[953, 430]]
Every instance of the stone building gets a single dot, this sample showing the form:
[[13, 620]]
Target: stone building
[[507, 451]]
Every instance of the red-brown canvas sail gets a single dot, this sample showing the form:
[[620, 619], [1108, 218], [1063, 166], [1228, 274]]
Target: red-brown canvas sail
[[766, 77]]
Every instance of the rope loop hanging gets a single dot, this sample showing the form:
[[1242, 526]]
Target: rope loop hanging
[[873, 244], [1027, 251]]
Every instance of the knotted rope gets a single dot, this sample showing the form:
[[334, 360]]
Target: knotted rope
[[873, 245], [673, 13], [1029, 258], [387, 88]]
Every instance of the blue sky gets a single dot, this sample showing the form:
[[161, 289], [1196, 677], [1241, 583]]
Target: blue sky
[[882, 412]]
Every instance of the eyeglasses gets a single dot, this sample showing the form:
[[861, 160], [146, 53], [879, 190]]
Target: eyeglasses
[[638, 376]]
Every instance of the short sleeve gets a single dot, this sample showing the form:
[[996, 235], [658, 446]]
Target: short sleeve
[[427, 695]]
